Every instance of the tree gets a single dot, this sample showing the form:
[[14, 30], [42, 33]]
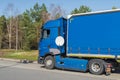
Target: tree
[[10, 9], [75, 11], [17, 27], [25, 26], [45, 16], [1, 32], [10, 14], [114, 7], [30, 24], [40, 15], [56, 11], [82, 9], [2, 29], [22, 31]]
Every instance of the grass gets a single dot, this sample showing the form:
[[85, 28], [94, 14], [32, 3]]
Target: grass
[[118, 61], [20, 54]]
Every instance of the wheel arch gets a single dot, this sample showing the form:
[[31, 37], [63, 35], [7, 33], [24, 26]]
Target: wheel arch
[[49, 54]]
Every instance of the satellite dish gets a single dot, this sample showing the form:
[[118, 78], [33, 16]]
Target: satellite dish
[[59, 41]]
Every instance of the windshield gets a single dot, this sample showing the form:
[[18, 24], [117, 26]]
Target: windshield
[[45, 34]]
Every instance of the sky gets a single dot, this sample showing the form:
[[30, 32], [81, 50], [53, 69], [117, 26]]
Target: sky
[[67, 5]]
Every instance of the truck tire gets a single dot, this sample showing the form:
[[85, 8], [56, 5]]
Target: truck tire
[[96, 66], [49, 62]]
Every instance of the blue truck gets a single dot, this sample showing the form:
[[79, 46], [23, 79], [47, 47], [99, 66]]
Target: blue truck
[[83, 42]]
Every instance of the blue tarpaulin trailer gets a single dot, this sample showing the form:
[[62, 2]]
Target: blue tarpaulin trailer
[[94, 35], [86, 41]]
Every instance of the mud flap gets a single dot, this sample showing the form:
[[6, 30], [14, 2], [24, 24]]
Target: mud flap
[[108, 67]]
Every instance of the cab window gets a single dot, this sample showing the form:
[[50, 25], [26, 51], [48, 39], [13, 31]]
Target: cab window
[[46, 33]]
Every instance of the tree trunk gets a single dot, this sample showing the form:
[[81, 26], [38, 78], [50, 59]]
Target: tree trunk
[[17, 34], [10, 33], [0, 41]]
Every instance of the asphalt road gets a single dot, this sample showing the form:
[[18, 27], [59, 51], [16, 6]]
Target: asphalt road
[[10, 70]]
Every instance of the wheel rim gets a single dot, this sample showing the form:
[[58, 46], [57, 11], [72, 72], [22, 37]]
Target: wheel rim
[[49, 62], [96, 67]]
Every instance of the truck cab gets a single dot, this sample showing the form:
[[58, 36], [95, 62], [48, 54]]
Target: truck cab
[[52, 30]]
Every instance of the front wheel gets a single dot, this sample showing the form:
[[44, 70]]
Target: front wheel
[[49, 62], [96, 66]]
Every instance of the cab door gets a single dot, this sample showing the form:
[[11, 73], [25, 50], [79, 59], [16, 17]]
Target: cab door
[[44, 42], [48, 40]]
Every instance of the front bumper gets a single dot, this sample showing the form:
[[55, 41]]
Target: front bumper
[[40, 60]]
